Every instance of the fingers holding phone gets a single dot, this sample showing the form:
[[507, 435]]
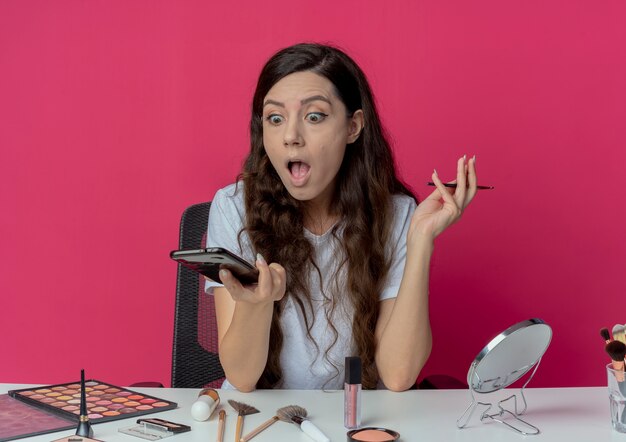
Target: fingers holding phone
[[271, 285], [244, 282], [272, 279]]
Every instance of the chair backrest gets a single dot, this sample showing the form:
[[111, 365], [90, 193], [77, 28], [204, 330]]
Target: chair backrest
[[195, 361]]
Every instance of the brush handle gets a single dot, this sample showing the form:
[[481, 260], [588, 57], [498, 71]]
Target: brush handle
[[258, 429], [239, 427], [220, 427], [313, 432]]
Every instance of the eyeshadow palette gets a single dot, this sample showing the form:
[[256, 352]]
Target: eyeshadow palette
[[19, 420], [105, 402]]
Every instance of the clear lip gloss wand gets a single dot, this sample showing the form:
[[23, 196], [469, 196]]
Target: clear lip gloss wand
[[352, 393]]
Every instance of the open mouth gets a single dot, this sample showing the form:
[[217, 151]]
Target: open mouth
[[298, 169]]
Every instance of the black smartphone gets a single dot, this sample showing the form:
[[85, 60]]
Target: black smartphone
[[209, 262]]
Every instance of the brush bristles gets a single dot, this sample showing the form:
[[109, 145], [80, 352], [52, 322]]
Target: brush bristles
[[241, 408], [288, 413], [604, 332], [616, 350]]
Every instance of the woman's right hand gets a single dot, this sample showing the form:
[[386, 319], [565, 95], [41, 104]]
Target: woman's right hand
[[270, 288]]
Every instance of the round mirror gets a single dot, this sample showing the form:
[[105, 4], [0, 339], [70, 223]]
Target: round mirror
[[509, 356]]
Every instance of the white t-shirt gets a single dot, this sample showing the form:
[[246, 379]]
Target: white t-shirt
[[305, 367]]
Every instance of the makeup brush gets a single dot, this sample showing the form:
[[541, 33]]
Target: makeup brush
[[295, 414], [242, 410], [220, 426], [454, 185], [617, 351], [619, 333], [84, 427], [258, 429], [604, 332]]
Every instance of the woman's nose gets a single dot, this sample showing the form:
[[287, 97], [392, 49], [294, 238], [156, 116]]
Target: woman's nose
[[292, 135]]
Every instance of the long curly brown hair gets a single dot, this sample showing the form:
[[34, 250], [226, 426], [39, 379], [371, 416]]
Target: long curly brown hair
[[363, 200]]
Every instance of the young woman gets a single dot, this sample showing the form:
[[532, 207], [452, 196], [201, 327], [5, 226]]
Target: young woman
[[343, 250]]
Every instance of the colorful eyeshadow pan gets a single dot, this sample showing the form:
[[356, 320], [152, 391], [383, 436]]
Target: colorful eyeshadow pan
[[105, 402]]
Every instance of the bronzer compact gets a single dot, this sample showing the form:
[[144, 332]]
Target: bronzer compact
[[372, 434]]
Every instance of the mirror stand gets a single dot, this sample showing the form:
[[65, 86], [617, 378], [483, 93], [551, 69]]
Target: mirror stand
[[525, 428]]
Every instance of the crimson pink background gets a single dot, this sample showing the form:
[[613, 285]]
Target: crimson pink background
[[116, 115]]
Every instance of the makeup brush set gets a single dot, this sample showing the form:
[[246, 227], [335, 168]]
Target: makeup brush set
[[616, 348], [293, 414]]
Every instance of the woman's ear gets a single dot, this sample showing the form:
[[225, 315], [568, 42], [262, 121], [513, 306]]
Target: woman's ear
[[356, 126]]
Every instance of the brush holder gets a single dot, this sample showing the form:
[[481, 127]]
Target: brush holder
[[617, 398], [504, 360]]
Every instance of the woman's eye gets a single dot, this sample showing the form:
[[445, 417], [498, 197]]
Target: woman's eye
[[274, 119], [315, 117]]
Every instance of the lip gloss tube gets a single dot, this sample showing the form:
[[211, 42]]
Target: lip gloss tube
[[352, 393]]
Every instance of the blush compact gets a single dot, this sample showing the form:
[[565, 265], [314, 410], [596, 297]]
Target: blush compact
[[372, 434]]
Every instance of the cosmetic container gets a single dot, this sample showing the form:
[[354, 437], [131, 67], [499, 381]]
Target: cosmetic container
[[205, 405], [372, 434], [352, 393]]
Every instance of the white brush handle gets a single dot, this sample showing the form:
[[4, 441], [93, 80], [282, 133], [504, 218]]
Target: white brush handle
[[313, 432]]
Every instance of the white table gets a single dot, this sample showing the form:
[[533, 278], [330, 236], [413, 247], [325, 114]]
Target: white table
[[562, 414]]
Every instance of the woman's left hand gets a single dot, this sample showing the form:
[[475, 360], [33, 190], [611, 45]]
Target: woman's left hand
[[445, 205]]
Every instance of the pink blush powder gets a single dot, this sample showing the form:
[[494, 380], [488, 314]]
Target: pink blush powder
[[372, 436]]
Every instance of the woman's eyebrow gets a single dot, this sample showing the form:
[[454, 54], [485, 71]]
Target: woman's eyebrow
[[304, 101], [315, 98], [275, 103]]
